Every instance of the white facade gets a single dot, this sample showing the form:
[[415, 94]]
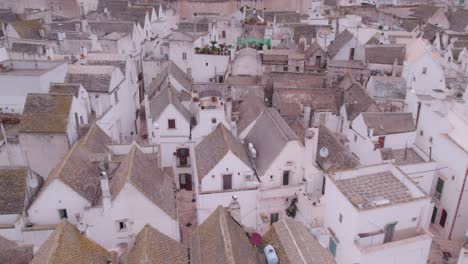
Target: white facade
[[358, 233], [25, 77], [136, 210]]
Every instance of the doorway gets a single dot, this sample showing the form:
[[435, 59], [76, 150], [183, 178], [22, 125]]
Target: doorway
[[185, 181]]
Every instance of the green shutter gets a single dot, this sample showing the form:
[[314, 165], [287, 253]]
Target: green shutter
[[332, 246], [440, 185]]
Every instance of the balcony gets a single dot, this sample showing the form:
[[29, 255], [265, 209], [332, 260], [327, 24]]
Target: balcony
[[374, 241]]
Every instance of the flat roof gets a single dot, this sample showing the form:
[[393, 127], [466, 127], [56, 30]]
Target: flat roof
[[377, 189], [28, 67]]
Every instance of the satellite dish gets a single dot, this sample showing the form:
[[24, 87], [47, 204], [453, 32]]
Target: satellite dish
[[323, 152], [33, 182]]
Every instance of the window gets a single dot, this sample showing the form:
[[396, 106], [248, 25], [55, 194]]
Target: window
[[332, 246], [351, 53], [381, 142], [421, 133], [323, 185], [389, 232], [81, 120], [184, 55], [223, 34], [285, 178], [318, 60], [52, 7], [424, 70], [116, 96], [227, 181], [122, 226], [297, 68], [274, 218], [443, 218], [63, 213], [355, 138], [439, 188], [434, 215], [285, 68], [213, 120], [340, 218], [206, 64], [183, 157], [171, 123], [60, 7]]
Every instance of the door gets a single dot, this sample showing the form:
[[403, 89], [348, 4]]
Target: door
[[434, 215], [227, 182], [185, 181], [443, 218], [274, 218], [183, 156], [318, 60], [381, 142], [351, 54], [389, 232]]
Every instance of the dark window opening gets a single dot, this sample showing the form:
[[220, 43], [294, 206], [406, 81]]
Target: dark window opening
[[274, 218], [443, 218], [285, 177], [63, 213], [351, 53], [171, 123], [227, 182]]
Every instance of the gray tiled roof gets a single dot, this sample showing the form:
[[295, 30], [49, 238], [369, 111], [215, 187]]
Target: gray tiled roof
[[152, 246], [46, 113], [357, 101], [385, 54], [92, 81], [64, 88], [339, 158], [12, 253], [7, 16], [363, 191], [458, 20], [339, 42], [212, 149], [141, 170], [425, 11], [77, 170], [27, 47], [12, 190], [389, 123], [219, 239], [249, 109], [290, 102], [294, 243], [388, 87], [66, 245], [269, 135], [168, 96]]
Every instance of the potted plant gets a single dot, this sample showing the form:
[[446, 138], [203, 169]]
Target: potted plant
[[197, 50]]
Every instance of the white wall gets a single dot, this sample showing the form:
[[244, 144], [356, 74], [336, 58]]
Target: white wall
[[230, 164], [205, 126], [44, 151], [207, 203], [130, 205], [344, 52], [206, 66], [56, 195], [424, 83]]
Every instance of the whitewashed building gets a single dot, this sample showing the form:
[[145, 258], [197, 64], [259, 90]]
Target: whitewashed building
[[375, 214], [223, 170]]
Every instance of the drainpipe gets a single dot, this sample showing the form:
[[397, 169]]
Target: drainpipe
[[458, 204]]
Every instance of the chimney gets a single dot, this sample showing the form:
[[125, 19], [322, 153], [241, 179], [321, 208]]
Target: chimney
[[234, 128], [105, 191], [307, 112], [394, 67], [84, 24], [311, 174], [229, 110], [234, 209]]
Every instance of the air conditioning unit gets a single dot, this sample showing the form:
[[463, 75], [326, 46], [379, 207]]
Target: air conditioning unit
[[252, 151], [249, 177]]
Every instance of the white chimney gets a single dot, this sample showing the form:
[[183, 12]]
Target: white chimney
[[105, 191], [234, 209], [229, 110], [234, 128], [307, 112], [311, 174]]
